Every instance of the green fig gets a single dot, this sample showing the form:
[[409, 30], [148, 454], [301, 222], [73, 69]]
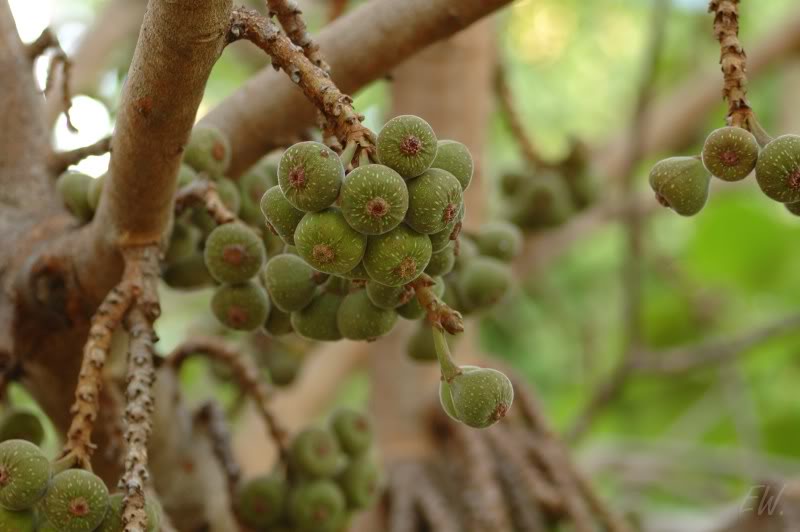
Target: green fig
[[434, 201], [442, 262], [234, 253], [407, 144], [778, 169], [397, 257], [317, 506], [281, 215], [374, 199], [315, 452], [318, 320], [21, 424], [478, 397], [360, 483], [483, 282], [290, 282], [24, 474], [278, 322], [359, 273], [208, 151], [186, 175], [252, 186], [184, 242], [187, 273], [353, 431], [466, 250], [328, 243], [681, 183], [77, 501], [388, 297], [540, 202], [242, 306], [261, 501], [730, 153], [500, 240], [113, 519], [310, 175], [74, 190], [19, 521], [455, 158], [358, 319], [283, 365], [94, 192]]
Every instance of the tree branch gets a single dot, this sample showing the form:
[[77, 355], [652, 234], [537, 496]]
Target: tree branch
[[203, 192], [60, 161], [732, 59], [290, 16], [361, 46]]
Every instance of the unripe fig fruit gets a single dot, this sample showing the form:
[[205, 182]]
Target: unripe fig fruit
[[455, 158], [318, 320], [413, 310], [229, 194], [208, 151], [337, 284], [540, 202], [261, 501], [183, 242], [290, 282], [24, 474], [20, 521], [328, 243], [310, 175], [420, 346], [315, 452], [94, 192], [234, 253], [243, 306], [512, 182], [434, 201], [478, 397], [74, 190], [374, 199], [407, 144], [359, 273], [387, 297], [681, 183], [467, 250], [278, 322], [449, 234], [397, 257], [317, 506], [360, 483], [77, 501], [252, 187], [186, 175], [730, 153], [793, 208], [113, 519], [188, 273], [283, 218], [442, 262], [483, 282], [500, 240], [21, 424], [353, 431], [358, 319], [282, 365], [778, 169]]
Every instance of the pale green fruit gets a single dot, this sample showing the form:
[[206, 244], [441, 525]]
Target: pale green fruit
[[243, 306], [234, 253], [420, 346], [357, 273], [360, 482], [407, 144], [188, 273], [318, 320], [730, 153], [186, 175], [540, 202], [442, 262], [358, 319], [290, 282], [374, 199], [208, 151], [397, 257], [478, 397], [74, 190], [456, 159], [20, 521], [500, 240], [316, 506], [483, 282], [281, 215], [315, 452], [252, 187], [24, 474], [261, 501], [434, 201], [21, 424], [353, 430], [387, 297], [183, 242], [94, 192], [77, 501], [778, 169], [310, 175], [328, 243], [681, 183]]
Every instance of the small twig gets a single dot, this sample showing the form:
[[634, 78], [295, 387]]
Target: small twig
[[733, 61], [245, 372], [203, 192], [213, 419], [46, 41], [60, 161], [290, 16], [439, 314], [318, 87]]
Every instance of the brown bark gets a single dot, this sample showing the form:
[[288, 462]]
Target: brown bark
[[360, 47]]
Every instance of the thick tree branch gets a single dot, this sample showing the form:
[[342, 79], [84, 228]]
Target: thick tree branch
[[361, 46]]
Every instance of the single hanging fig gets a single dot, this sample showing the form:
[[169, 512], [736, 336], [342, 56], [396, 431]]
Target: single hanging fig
[[478, 397], [290, 282], [281, 215], [407, 144], [310, 175], [243, 306], [315, 451], [730, 153], [234, 253], [328, 243], [374, 199], [360, 483], [24, 474], [317, 506], [208, 151], [397, 257], [434, 201], [456, 159], [21, 424], [778, 169], [261, 501], [353, 430], [681, 183], [77, 501]]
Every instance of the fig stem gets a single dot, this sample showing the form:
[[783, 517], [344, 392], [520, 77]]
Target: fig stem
[[363, 158], [762, 137], [449, 368], [348, 153]]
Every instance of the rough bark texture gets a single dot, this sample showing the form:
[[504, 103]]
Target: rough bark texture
[[268, 109]]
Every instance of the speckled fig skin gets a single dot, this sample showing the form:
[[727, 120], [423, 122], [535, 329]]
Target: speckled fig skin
[[778, 169], [21, 521], [208, 151], [442, 262], [317, 506], [242, 307], [456, 159], [681, 183], [73, 187], [310, 175], [413, 310], [113, 519], [290, 282], [483, 282], [479, 397], [407, 144], [234, 253], [360, 482], [318, 320], [21, 424], [374, 199], [261, 501], [359, 273], [499, 239], [24, 474], [730, 153], [387, 297], [397, 257], [434, 201], [325, 241], [315, 452], [353, 431], [449, 234], [281, 215], [358, 319], [77, 501]]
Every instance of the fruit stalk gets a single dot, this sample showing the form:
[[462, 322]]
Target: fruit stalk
[[203, 192], [290, 16], [449, 368], [733, 60], [439, 314]]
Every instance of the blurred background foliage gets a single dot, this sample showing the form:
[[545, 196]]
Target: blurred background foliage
[[574, 68]]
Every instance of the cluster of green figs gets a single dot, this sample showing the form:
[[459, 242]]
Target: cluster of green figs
[[37, 495], [731, 154], [329, 476]]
